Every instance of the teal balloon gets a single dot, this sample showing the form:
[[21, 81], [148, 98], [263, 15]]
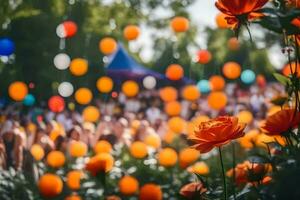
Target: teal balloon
[[248, 76], [203, 86], [29, 100]]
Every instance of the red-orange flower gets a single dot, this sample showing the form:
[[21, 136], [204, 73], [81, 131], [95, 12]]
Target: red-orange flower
[[193, 190], [217, 132], [281, 122], [102, 162], [240, 11]]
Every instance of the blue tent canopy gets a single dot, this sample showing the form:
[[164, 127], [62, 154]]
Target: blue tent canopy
[[123, 66]]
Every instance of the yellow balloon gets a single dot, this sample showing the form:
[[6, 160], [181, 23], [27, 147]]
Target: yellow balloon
[[78, 149], [17, 90], [78, 66], [83, 96], [105, 84], [177, 124], [153, 140], [130, 88], [37, 152], [91, 114], [245, 116]]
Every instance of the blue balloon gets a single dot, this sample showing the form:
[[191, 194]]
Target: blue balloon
[[248, 76], [29, 100], [203, 86], [7, 47]]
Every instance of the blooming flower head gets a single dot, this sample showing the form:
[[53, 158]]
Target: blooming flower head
[[217, 132], [281, 122], [102, 162], [240, 11], [193, 190]]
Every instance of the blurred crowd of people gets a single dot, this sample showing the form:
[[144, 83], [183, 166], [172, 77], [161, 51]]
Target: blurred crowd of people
[[19, 130]]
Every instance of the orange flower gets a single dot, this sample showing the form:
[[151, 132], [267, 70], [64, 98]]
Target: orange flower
[[56, 159], [50, 185], [150, 192], [193, 190], [249, 172], [138, 150], [200, 168], [187, 156], [217, 132], [241, 173], [281, 122], [102, 146], [102, 162], [73, 179], [167, 157], [128, 185], [240, 11], [73, 197], [293, 3]]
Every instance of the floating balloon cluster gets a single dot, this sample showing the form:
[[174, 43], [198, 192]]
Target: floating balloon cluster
[[78, 67]]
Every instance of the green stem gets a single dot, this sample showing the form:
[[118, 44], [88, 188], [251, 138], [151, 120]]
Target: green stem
[[233, 167], [223, 174]]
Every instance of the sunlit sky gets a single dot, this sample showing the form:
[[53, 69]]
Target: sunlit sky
[[203, 14]]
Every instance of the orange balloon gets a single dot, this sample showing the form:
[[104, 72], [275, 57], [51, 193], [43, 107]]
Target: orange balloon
[[131, 32], [17, 90], [173, 108], [108, 45], [180, 24], [78, 66], [204, 56], [130, 88], [168, 94], [153, 140], [190, 93], [187, 156], [287, 70], [56, 159], [167, 157], [128, 185], [102, 146], [37, 152], [217, 100], [73, 179], [138, 150], [50, 185], [177, 124], [233, 44], [78, 149], [231, 70], [105, 84], [217, 83], [91, 114], [174, 72], [83, 96], [221, 21]]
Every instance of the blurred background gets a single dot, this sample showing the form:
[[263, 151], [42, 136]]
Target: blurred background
[[32, 26]]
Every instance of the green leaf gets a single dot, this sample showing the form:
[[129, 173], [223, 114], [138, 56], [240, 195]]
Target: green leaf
[[282, 79]]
